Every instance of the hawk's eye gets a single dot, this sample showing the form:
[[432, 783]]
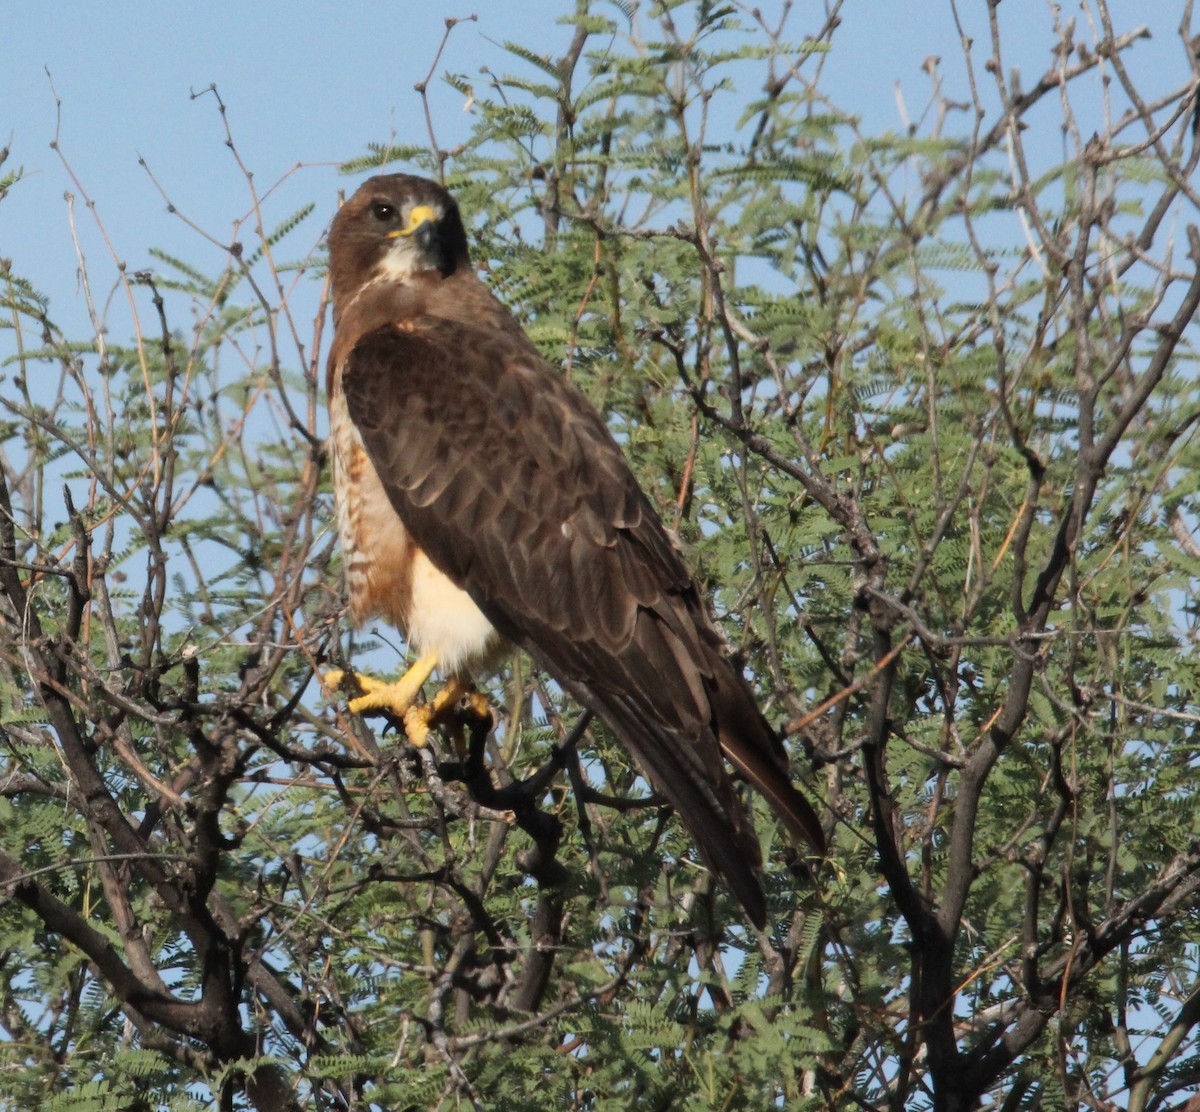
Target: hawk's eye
[[383, 212]]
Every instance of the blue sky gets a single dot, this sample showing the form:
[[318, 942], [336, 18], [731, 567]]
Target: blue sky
[[304, 83], [312, 83], [309, 84]]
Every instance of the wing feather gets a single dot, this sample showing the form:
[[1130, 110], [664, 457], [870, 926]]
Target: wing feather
[[512, 485]]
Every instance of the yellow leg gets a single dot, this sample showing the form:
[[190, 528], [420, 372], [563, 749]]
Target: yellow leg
[[478, 703], [400, 698], [451, 707], [397, 697], [418, 721]]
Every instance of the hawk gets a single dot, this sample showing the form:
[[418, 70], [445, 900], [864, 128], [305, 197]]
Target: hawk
[[483, 504]]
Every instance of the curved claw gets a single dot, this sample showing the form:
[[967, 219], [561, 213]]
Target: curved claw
[[418, 721], [397, 698]]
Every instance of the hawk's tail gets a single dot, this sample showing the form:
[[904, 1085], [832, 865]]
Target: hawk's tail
[[708, 805], [705, 799], [755, 750]]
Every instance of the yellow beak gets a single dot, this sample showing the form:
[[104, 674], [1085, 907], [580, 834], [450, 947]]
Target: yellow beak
[[422, 214]]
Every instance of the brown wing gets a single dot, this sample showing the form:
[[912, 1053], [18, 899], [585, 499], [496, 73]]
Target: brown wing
[[506, 477]]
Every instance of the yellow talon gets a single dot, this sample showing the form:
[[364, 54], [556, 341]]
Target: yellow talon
[[417, 725], [400, 698], [418, 721], [376, 694], [478, 704]]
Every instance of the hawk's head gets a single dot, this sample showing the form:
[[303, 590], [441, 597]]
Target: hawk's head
[[395, 226]]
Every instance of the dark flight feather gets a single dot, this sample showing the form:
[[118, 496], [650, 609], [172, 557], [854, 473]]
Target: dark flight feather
[[510, 482]]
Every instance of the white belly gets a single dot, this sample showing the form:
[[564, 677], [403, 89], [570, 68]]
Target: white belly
[[443, 619]]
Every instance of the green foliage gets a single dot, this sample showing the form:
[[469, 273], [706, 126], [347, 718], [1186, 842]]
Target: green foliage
[[941, 482]]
